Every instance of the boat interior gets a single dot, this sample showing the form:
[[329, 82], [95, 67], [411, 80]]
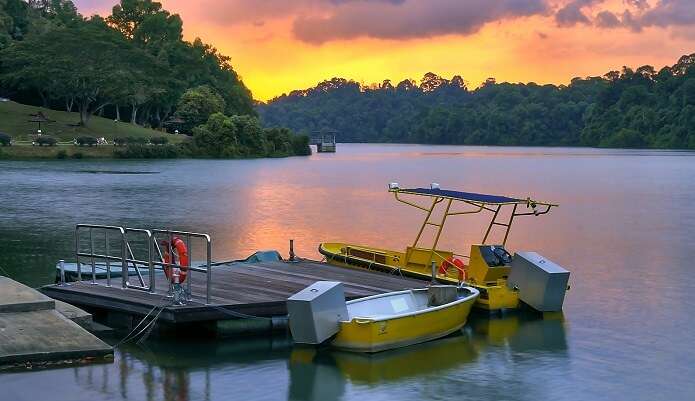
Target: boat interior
[[403, 303]]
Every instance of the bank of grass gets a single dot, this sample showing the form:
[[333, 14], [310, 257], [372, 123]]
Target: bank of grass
[[14, 120], [138, 141]]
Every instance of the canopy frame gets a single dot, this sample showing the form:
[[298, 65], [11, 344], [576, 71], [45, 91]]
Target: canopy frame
[[480, 202]]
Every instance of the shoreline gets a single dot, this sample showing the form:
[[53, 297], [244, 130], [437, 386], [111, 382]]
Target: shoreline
[[101, 152]]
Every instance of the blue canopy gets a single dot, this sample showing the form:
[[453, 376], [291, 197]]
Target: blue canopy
[[464, 196]]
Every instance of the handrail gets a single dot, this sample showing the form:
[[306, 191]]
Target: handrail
[[106, 229], [208, 259], [127, 256]]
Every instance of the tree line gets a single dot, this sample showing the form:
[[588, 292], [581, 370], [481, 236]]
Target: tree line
[[631, 108], [131, 65]]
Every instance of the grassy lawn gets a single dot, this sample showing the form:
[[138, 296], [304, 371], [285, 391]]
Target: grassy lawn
[[14, 120]]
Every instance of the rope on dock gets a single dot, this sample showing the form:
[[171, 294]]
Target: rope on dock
[[239, 314], [149, 325], [149, 330]]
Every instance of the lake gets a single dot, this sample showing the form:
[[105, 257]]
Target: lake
[[624, 228]]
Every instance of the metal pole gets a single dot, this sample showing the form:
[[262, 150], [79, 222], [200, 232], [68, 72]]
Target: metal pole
[[434, 272], [150, 239], [424, 223], [91, 251], [77, 251], [509, 226], [209, 270], [108, 262], [189, 271], [62, 271], [487, 232], [441, 227], [124, 262], [172, 262]]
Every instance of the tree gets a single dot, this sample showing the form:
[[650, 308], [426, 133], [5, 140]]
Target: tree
[[87, 64], [197, 105], [630, 108], [243, 136]]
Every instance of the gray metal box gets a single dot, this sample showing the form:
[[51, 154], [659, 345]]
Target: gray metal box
[[315, 311], [541, 283]]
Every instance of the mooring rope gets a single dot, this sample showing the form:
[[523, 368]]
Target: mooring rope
[[149, 328], [130, 335], [239, 314]]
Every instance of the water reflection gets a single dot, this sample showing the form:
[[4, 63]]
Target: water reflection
[[325, 374], [624, 229], [274, 368]]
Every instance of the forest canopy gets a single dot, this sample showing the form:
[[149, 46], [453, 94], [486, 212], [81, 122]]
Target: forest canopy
[[640, 108], [133, 64]]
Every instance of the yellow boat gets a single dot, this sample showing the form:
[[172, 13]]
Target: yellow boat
[[402, 318], [485, 268]]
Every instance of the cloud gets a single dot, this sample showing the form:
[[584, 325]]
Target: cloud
[[409, 19], [571, 14], [668, 13], [640, 14], [606, 19], [638, 4], [89, 7], [665, 13]]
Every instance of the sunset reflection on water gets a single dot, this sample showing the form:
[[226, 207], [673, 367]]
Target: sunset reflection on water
[[624, 229]]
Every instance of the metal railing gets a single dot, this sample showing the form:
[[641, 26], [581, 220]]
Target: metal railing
[[208, 260], [127, 259]]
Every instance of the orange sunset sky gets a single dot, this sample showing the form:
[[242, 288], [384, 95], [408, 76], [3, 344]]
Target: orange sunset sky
[[280, 45]]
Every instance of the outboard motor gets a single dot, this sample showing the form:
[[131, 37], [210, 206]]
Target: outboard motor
[[541, 283]]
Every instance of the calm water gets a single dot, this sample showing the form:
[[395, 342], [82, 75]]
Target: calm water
[[625, 229]]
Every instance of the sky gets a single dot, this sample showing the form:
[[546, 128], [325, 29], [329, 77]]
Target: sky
[[280, 45]]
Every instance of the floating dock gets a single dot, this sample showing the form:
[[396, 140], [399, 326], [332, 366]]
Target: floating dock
[[238, 292], [36, 331], [324, 141]]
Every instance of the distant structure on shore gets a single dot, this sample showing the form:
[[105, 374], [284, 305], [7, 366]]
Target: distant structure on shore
[[324, 140]]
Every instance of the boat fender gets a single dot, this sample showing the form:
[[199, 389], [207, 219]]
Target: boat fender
[[180, 257], [454, 262]]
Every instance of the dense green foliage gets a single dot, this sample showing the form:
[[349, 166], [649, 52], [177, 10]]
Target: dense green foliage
[[631, 108], [159, 140], [45, 140], [243, 136], [132, 64], [137, 151], [197, 105], [86, 141], [5, 140]]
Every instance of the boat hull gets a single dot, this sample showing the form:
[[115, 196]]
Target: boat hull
[[492, 297], [375, 335]]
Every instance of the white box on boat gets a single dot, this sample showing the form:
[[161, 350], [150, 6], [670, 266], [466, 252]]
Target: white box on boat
[[541, 283], [315, 311]]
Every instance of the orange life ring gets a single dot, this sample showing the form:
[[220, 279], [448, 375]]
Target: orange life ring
[[456, 263], [180, 258]]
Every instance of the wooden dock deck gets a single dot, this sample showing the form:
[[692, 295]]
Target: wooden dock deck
[[257, 289]]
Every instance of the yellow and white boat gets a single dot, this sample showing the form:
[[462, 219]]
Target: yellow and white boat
[[402, 318], [485, 268]]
